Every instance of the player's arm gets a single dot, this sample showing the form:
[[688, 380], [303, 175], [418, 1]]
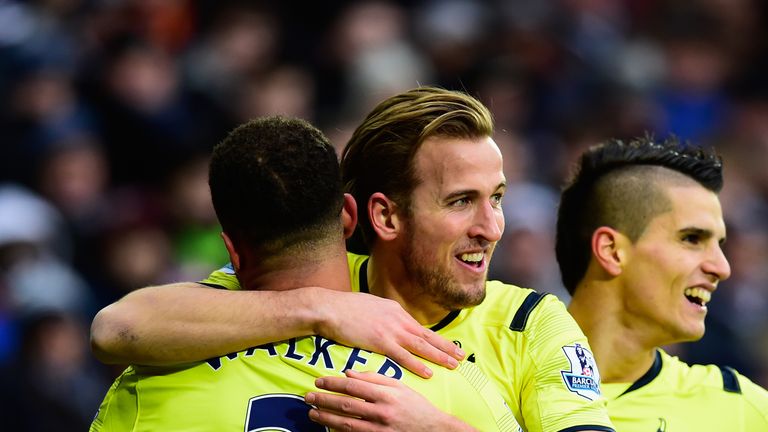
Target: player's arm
[[189, 322], [556, 392], [378, 403]]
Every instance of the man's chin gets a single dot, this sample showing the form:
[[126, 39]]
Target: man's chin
[[691, 336], [468, 298]]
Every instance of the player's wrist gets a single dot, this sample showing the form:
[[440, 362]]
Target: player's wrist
[[313, 311]]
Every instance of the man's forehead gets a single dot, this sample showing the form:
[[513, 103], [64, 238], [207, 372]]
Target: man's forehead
[[695, 207], [445, 155]]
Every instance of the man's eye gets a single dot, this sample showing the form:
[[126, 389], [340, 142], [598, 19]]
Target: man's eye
[[459, 202], [497, 198], [691, 238]]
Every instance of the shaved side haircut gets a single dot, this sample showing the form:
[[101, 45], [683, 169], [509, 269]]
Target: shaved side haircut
[[622, 186]]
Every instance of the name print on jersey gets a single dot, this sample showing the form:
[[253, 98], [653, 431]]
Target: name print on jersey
[[583, 377], [318, 353]]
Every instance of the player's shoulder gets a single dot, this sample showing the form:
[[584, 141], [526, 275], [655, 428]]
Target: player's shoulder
[[223, 278], [719, 382], [696, 378], [523, 308]]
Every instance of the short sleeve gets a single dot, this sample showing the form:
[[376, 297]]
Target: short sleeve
[[562, 383]]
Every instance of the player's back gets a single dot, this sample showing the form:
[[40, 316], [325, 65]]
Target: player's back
[[673, 396], [262, 389]]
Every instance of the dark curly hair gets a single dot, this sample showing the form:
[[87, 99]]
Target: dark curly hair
[[275, 184]]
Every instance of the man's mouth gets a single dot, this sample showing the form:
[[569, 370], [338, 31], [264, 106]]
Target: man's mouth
[[697, 295], [472, 259]]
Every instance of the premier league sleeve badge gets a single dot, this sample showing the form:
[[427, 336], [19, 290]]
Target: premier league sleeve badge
[[583, 377]]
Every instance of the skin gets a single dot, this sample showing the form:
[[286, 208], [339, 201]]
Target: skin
[[376, 406], [639, 288], [455, 210], [128, 331]]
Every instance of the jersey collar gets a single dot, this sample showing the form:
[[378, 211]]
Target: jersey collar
[[363, 283], [649, 376]]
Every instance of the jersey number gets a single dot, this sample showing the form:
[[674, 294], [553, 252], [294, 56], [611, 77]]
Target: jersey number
[[280, 413]]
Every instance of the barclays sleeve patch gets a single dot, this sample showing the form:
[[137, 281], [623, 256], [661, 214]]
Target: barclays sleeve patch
[[583, 377]]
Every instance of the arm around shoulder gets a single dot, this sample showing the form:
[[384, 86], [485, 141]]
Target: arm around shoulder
[[183, 322], [187, 322]]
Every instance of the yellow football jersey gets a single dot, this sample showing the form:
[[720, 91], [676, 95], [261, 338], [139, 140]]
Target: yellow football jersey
[[676, 397], [262, 389], [526, 342]]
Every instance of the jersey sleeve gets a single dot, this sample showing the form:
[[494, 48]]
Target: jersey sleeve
[[756, 401], [561, 380], [223, 278]]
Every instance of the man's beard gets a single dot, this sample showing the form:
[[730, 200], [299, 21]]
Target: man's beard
[[435, 280]]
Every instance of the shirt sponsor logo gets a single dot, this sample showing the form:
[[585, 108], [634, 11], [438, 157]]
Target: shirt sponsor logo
[[583, 377]]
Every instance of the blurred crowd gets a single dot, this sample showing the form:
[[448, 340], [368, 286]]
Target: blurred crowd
[[110, 108]]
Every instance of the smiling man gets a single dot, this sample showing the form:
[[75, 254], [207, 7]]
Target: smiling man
[[424, 170], [424, 165], [639, 238]]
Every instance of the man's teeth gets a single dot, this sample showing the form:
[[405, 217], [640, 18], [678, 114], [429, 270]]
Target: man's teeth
[[472, 257], [699, 293]]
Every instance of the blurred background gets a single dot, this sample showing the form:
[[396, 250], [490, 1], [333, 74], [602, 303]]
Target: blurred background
[[110, 108]]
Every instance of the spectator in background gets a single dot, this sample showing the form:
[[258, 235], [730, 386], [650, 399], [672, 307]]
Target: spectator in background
[[49, 380], [526, 252], [286, 90], [35, 272], [195, 233], [52, 383]]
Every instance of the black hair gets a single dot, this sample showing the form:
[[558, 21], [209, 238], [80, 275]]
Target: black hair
[[615, 184], [275, 184]]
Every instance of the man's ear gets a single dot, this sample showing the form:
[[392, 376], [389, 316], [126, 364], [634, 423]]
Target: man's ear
[[385, 220], [234, 257], [349, 215], [609, 249]]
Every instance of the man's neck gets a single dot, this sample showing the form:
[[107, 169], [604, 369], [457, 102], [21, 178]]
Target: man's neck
[[387, 278], [622, 350], [327, 268]]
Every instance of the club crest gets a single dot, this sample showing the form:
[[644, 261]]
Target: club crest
[[583, 377]]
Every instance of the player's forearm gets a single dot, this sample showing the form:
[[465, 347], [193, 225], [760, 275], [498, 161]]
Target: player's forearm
[[188, 322]]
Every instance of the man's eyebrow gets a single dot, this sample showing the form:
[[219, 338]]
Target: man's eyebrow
[[461, 193], [701, 232], [472, 192]]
